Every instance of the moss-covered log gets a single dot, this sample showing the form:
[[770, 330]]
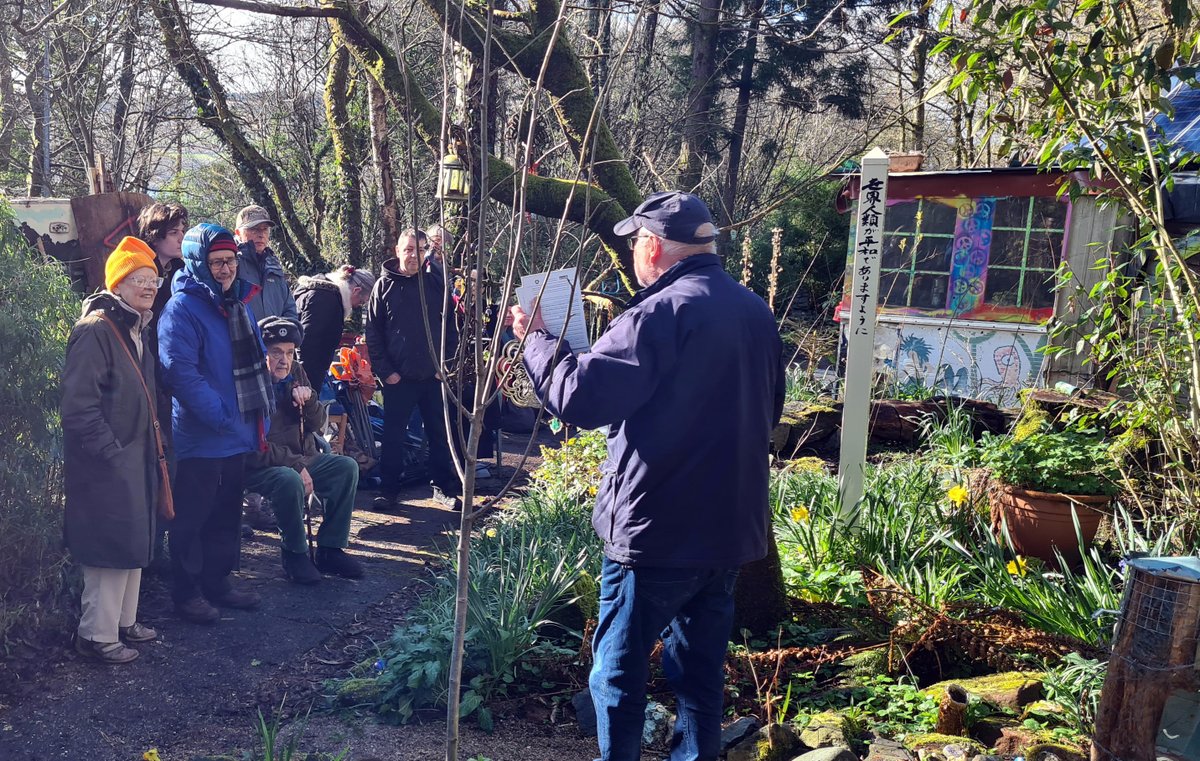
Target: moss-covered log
[[572, 99], [262, 178], [580, 202]]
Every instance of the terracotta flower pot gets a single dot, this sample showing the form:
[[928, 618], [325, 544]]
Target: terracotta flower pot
[[1040, 521]]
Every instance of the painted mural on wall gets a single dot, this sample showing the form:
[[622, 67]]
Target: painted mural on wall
[[987, 364]]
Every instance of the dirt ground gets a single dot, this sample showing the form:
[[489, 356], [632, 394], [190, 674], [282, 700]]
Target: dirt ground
[[194, 693]]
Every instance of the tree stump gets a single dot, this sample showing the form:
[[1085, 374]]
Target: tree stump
[[1153, 655]]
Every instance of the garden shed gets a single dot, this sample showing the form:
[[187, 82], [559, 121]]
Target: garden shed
[[967, 284]]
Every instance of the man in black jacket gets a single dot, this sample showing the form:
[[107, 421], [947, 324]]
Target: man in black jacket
[[689, 378], [399, 348]]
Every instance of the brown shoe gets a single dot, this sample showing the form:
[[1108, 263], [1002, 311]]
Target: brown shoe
[[198, 611], [105, 652], [235, 598]]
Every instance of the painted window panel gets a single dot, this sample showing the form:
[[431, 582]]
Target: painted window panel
[[1008, 248]]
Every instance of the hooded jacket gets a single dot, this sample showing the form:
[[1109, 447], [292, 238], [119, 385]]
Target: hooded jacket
[[197, 356], [274, 297], [110, 459], [690, 380], [324, 306], [396, 326]]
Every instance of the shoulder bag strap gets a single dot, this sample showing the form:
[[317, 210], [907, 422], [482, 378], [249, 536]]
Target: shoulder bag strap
[[166, 501]]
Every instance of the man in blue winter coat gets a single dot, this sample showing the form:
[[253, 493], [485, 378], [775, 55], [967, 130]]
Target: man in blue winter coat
[[689, 380], [214, 362]]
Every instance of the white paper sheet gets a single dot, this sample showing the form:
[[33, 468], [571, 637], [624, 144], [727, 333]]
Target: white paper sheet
[[561, 304]]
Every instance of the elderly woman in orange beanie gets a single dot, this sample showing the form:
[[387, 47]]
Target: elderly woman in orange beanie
[[114, 469]]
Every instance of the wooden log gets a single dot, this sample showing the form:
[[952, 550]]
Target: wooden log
[[952, 711], [1153, 655]]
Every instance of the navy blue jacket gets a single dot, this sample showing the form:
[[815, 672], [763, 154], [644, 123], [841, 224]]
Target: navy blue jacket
[[274, 297], [197, 357], [690, 380]]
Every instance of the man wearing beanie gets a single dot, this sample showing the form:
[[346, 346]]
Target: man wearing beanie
[[111, 453], [261, 267], [214, 362], [292, 468]]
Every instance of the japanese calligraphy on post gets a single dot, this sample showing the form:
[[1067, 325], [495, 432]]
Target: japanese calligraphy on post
[[860, 325]]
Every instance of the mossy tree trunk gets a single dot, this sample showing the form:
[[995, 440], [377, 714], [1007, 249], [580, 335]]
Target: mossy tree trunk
[[346, 154], [262, 178]]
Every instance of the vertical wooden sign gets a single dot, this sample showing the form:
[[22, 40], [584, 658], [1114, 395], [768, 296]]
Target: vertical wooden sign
[[860, 326]]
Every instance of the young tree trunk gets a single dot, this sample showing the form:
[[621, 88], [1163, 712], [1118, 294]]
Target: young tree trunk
[[38, 182], [920, 64], [346, 157], [381, 151], [741, 115], [697, 121], [124, 95], [599, 26]]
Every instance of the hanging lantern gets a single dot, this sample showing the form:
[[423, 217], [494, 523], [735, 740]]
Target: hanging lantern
[[454, 183]]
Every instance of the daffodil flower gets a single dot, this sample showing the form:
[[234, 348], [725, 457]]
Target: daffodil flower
[[958, 494], [151, 755], [491, 532], [800, 514], [1018, 567]]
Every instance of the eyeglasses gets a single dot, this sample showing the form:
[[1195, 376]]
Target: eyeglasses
[[216, 264], [633, 239], [146, 282]]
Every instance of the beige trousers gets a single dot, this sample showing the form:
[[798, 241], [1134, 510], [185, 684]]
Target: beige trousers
[[110, 600]]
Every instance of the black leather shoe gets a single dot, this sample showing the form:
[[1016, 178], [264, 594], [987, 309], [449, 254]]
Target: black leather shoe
[[335, 561], [298, 567], [236, 598]]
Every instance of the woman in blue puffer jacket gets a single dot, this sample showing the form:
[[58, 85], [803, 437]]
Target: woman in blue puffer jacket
[[214, 362]]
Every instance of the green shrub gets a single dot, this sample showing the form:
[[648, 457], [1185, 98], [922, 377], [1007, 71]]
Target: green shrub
[[1069, 462], [573, 470], [37, 309], [524, 568]]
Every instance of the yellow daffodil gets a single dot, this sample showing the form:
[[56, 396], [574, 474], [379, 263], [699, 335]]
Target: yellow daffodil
[[1018, 567], [958, 494], [800, 514], [151, 755], [491, 532]]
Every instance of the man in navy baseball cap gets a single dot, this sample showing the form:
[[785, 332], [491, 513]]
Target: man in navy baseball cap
[[690, 380], [672, 215]]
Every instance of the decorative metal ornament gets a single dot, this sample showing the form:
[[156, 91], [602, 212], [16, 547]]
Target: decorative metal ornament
[[515, 382], [454, 181]]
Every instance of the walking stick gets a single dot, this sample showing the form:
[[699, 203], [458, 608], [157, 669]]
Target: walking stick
[[308, 531]]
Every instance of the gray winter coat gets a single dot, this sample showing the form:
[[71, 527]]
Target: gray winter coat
[[110, 460]]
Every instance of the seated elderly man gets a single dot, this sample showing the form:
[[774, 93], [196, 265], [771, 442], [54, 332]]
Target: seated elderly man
[[292, 468]]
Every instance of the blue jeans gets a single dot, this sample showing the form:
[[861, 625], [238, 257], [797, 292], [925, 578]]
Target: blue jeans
[[691, 610]]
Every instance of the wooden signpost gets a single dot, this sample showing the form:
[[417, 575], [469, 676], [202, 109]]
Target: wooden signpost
[[860, 326]]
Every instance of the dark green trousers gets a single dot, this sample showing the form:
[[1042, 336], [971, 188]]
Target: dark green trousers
[[335, 479]]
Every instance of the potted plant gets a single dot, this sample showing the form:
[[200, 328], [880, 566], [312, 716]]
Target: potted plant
[[1041, 480]]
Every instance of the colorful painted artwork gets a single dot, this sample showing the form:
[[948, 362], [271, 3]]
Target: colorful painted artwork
[[988, 364], [969, 261]]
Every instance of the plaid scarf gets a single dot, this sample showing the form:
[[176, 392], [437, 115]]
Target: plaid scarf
[[250, 375]]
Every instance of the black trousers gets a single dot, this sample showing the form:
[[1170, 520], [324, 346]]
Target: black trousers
[[399, 399], [205, 536]]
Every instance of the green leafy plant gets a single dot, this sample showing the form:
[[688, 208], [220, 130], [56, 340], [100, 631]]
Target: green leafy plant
[[896, 706], [573, 469], [37, 309], [270, 736], [1067, 462]]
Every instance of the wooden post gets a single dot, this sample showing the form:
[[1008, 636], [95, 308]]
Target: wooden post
[[860, 327], [1154, 654]]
